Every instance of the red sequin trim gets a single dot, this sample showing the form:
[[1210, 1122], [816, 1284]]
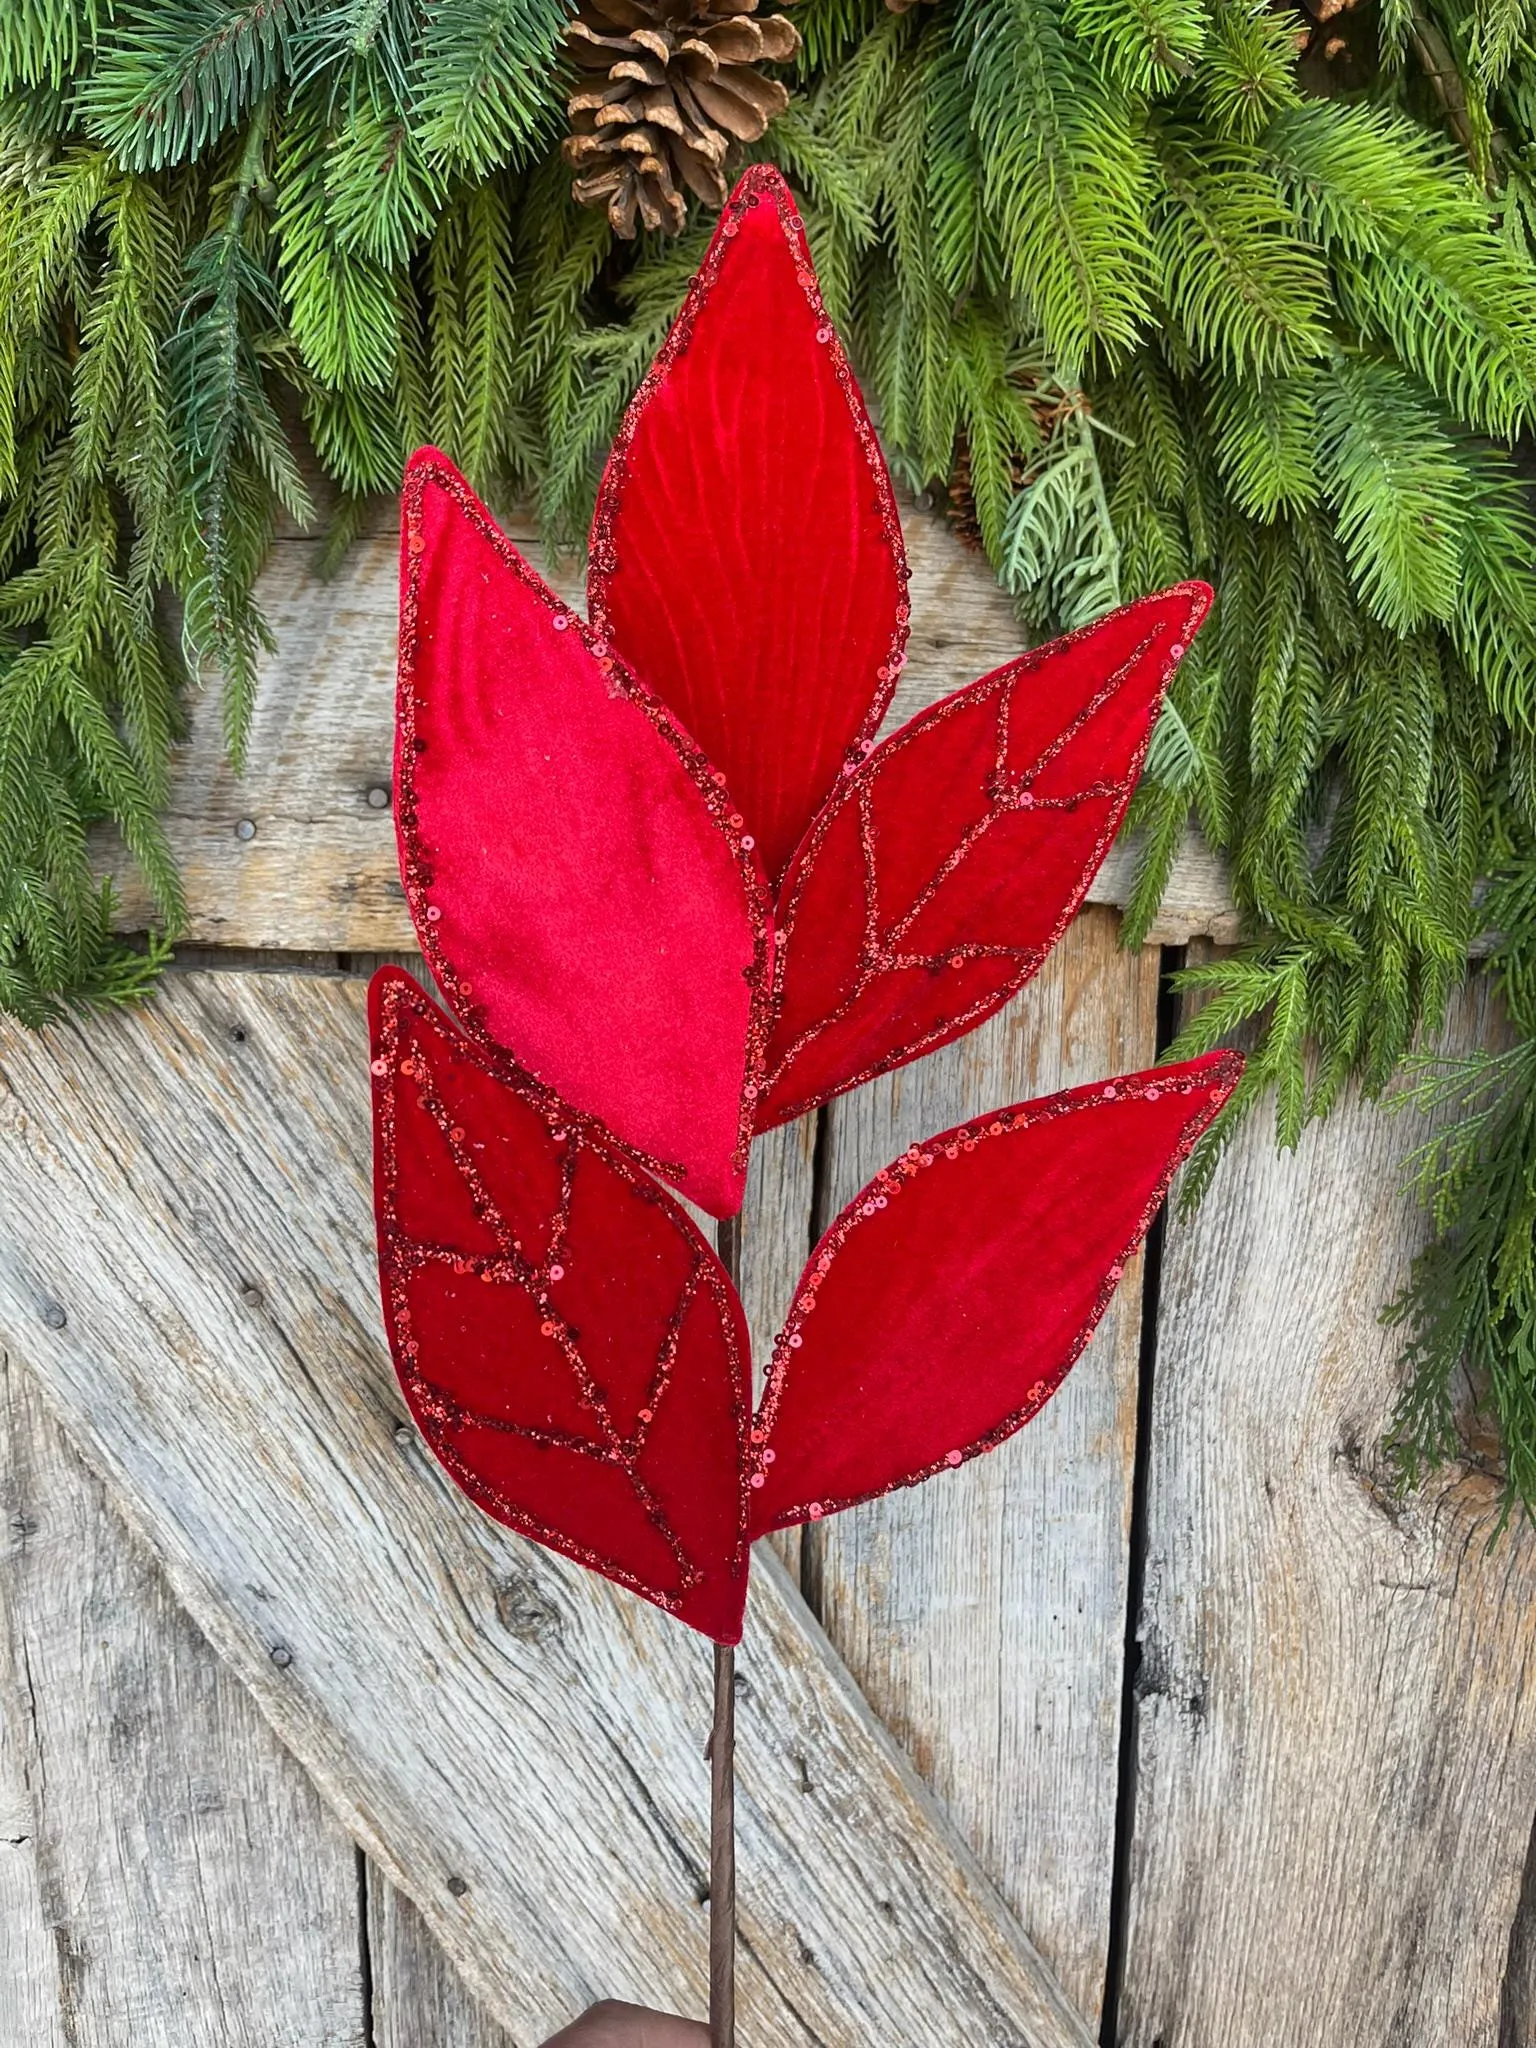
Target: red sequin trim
[[436, 1411], [759, 183], [881, 952], [415, 862], [1224, 1071]]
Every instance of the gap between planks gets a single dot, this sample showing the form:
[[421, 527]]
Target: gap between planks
[[1335, 1714]]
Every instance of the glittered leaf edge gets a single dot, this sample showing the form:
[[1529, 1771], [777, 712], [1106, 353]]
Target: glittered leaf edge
[[1216, 1073], [862, 777]]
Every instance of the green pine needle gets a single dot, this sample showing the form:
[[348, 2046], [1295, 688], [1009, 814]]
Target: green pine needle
[[486, 83], [170, 80], [1391, 474]]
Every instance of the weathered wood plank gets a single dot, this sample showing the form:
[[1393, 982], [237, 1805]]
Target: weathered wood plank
[[170, 1876], [30, 1960], [776, 1227], [419, 2000], [293, 853], [1336, 1734], [514, 1742], [984, 1616], [776, 1234]]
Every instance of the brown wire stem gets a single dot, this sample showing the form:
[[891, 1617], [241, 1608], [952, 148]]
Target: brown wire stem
[[722, 1788], [722, 1854]]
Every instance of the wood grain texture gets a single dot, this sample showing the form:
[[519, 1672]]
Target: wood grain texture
[[984, 1614], [776, 1235], [514, 1742], [776, 1229], [316, 869], [1336, 1734], [168, 1876], [419, 1999]]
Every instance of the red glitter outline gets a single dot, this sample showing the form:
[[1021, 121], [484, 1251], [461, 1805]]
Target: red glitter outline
[[431, 466], [1223, 1069], [401, 1003], [1005, 792]]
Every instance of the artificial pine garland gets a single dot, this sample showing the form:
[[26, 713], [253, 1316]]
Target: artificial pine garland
[[1163, 298]]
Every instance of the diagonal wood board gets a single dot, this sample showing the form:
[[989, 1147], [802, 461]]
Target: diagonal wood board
[[187, 1267], [168, 1877]]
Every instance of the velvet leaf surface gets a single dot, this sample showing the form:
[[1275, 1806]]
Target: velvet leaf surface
[[943, 870], [569, 857], [570, 1347], [747, 559], [948, 1301]]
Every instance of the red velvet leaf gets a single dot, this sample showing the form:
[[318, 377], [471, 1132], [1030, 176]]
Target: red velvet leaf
[[942, 871], [746, 552], [569, 858], [569, 1345], [946, 1303]]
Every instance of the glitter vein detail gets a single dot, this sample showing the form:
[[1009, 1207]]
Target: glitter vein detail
[[882, 952], [406, 1014]]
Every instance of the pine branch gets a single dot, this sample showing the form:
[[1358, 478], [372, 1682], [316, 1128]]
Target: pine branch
[[170, 80], [1246, 290], [341, 305], [1065, 179], [43, 41], [366, 48], [490, 331], [229, 437], [1143, 45], [1417, 264], [1392, 476], [1265, 441], [1172, 317], [1470, 1305], [485, 85], [1249, 71], [382, 194], [1060, 553]]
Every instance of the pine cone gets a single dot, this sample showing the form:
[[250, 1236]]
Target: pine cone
[[669, 85]]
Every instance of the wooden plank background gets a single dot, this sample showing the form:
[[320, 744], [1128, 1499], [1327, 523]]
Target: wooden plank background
[[986, 1624], [1336, 1730], [1313, 1826], [299, 852]]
